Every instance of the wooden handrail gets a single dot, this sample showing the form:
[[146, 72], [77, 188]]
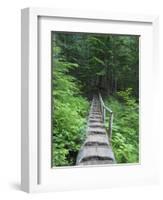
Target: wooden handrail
[[104, 108]]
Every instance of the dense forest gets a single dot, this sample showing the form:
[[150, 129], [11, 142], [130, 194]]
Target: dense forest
[[84, 64]]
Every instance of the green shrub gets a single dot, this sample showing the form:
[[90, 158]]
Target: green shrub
[[125, 136], [69, 113]]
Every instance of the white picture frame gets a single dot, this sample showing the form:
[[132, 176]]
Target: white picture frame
[[36, 171]]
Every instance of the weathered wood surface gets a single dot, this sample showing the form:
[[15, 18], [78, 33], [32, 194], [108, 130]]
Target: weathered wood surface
[[95, 138], [96, 148]]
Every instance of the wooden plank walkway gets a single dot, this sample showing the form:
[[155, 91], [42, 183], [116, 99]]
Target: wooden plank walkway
[[96, 148]]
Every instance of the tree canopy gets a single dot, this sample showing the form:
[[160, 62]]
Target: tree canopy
[[107, 62]]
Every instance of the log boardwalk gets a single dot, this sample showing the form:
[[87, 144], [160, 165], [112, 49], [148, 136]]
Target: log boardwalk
[[96, 148]]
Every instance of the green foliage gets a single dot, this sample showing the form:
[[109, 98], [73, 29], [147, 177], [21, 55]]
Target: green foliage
[[125, 137], [114, 58], [68, 114]]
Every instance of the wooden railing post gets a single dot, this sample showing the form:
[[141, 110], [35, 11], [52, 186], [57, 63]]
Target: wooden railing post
[[104, 115], [103, 111], [110, 125]]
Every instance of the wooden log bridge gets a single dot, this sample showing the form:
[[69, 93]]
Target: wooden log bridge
[[97, 147]]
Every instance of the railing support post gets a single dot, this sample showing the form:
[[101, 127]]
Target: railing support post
[[104, 115], [110, 125], [105, 109]]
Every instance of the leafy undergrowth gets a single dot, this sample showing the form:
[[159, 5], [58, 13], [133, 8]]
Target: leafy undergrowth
[[125, 133], [69, 112]]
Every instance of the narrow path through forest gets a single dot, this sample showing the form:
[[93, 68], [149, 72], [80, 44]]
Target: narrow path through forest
[[96, 148]]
